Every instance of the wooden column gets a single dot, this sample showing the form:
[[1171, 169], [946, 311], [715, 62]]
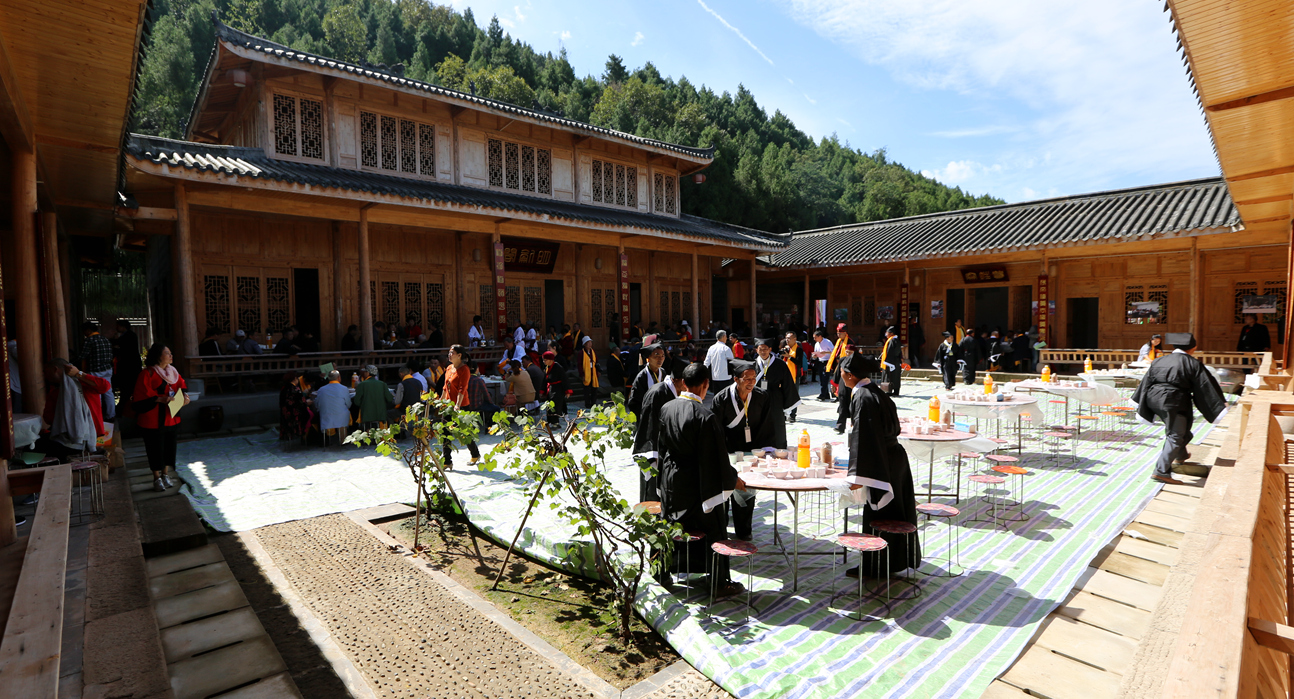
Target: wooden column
[[26, 287], [808, 312], [365, 292], [183, 255], [1195, 324], [696, 296], [754, 308], [8, 531], [500, 309], [454, 311], [652, 312], [338, 295], [54, 285]]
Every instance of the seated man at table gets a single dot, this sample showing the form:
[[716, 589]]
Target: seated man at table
[[332, 401], [696, 476], [372, 397], [879, 463], [751, 419], [520, 385], [73, 417]]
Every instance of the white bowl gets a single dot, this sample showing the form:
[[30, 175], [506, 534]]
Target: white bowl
[[778, 473]]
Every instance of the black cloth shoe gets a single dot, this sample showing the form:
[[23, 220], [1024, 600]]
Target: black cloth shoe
[[729, 589], [19, 521]]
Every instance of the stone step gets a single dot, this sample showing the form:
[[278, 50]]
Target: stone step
[[192, 558], [195, 605], [225, 668], [183, 581], [279, 686], [168, 525], [187, 640]]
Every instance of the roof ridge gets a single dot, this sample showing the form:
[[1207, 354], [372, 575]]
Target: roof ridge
[[230, 34], [1032, 203]]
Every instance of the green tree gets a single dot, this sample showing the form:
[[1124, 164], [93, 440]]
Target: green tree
[[344, 32], [616, 72]]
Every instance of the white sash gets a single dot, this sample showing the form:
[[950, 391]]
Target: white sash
[[652, 380]]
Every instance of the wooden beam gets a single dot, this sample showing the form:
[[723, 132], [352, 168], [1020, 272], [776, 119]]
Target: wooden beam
[[338, 292], [365, 293], [1270, 634], [1268, 219], [150, 213], [26, 288], [696, 295], [183, 247], [54, 285], [15, 120], [51, 140], [1260, 98], [85, 204], [1264, 200], [1262, 173]]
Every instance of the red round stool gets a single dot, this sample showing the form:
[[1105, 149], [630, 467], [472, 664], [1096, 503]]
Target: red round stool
[[894, 527], [863, 544], [986, 482], [933, 510], [1008, 470], [970, 456], [733, 548], [1056, 439]]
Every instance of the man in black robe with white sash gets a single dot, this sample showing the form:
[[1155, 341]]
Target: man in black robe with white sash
[[1172, 384], [752, 419], [946, 356], [696, 477], [645, 430], [774, 377], [648, 377], [878, 463], [892, 360]]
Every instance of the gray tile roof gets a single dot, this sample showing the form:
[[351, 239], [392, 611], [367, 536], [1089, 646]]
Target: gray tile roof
[[377, 73], [1103, 217], [253, 164]]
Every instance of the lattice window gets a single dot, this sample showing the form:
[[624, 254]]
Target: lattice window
[[658, 193], [1277, 289], [631, 187], [597, 181], [408, 147], [368, 139], [496, 162], [1145, 314], [687, 304], [528, 168], [391, 303], [620, 185], [298, 127], [663, 310], [1159, 294], [388, 143], [215, 288], [278, 303], [488, 311], [436, 303], [677, 307], [544, 170], [248, 298], [514, 306], [413, 301], [535, 306], [614, 184], [671, 194], [595, 307], [426, 150], [372, 301], [612, 311], [856, 311], [512, 166], [869, 310]]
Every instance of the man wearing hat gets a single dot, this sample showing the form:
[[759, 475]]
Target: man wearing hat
[[648, 425], [1171, 385], [589, 372], [773, 376], [879, 463], [892, 359], [696, 476], [838, 352], [555, 380], [647, 377], [947, 355], [752, 420]]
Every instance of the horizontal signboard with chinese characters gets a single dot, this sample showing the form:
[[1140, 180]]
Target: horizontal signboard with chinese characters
[[527, 255], [984, 275]]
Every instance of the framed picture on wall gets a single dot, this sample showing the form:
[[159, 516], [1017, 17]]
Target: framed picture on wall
[[841, 315], [937, 309], [885, 313], [1259, 304]]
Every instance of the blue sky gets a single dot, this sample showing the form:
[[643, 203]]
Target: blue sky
[[1019, 99]]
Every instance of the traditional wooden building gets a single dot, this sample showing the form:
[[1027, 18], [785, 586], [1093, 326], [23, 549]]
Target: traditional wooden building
[[1109, 268], [322, 193]]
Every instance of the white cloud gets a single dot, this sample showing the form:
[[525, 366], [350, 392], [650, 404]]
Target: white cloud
[[517, 9], [735, 30], [506, 22], [811, 100], [565, 35], [1095, 85], [845, 122], [959, 172], [638, 39]]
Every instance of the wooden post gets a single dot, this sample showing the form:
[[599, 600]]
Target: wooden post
[[54, 285], [184, 276], [754, 308], [653, 313], [27, 291], [808, 312], [696, 297], [500, 309], [454, 312], [338, 302], [365, 292], [1195, 325], [622, 289], [8, 530]]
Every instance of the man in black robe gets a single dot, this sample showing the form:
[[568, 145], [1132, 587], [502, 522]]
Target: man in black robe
[[751, 419], [877, 462], [843, 392], [649, 376], [648, 425], [615, 370], [1254, 336], [1172, 384], [774, 376], [892, 360], [916, 341], [946, 356], [695, 474], [970, 356]]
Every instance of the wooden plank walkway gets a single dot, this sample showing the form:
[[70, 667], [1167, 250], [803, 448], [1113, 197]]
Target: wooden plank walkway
[[1084, 647]]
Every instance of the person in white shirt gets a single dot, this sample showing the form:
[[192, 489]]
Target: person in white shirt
[[519, 335], [532, 338], [475, 334], [717, 358], [822, 349]]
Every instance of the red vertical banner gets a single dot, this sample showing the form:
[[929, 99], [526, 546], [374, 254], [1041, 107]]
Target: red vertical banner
[[903, 315], [1044, 301], [500, 293], [624, 296]]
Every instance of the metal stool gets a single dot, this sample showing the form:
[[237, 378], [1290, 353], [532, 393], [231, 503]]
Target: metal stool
[[985, 482], [863, 544], [1081, 420], [937, 509], [1008, 470], [87, 473], [896, 527], [1061, 401], [686, 538], [733, 548], [1055, 439], [970, 456]]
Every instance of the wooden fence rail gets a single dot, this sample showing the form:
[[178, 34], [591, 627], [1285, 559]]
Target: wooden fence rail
[[1104, 357]]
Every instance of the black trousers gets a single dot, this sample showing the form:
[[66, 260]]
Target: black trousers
[[968, 374], [894, 376], [949, 371], [559, 407], [590, 395], [447, 452], [842, 406], [715, 527], [159, 444]]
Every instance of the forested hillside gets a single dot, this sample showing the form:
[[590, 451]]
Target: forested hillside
[[767, 174]]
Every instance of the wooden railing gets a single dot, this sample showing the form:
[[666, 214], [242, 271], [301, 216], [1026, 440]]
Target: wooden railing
[[1236, 639], [1102, 357]]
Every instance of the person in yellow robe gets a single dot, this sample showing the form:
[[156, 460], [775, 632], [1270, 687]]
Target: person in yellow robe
[[589, 372]]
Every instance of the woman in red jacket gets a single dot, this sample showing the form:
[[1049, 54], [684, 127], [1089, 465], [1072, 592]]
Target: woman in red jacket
[[154, 390]]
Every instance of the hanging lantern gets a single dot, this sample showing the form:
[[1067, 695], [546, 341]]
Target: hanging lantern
[[240, 77], [698, 178]]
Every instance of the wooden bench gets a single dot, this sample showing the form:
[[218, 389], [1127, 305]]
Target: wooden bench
[[33, 637]]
